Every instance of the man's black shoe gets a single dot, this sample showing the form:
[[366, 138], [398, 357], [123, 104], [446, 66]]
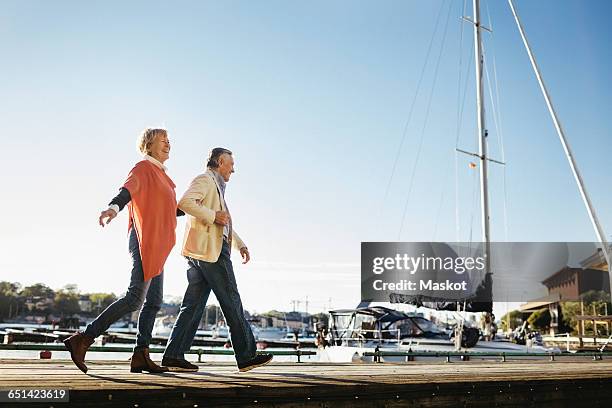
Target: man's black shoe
[[258, 361], [178, 364]]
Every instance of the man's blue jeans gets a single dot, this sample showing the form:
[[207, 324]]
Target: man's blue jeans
[[139, 291], [218, 277]]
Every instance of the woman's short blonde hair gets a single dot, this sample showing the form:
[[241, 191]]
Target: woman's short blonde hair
[[147, 137]]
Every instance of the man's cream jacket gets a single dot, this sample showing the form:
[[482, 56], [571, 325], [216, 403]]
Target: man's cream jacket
[[203, 238]]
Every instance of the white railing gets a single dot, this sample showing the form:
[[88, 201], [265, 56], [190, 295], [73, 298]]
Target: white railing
[[554, 337], [569, 339], [361, 338]]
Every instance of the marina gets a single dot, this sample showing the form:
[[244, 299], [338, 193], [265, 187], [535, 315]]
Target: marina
[[42, 334]]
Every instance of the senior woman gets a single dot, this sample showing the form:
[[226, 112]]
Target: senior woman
[[149, 194]]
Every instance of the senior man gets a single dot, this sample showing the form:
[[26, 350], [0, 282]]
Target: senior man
[[209, 237]]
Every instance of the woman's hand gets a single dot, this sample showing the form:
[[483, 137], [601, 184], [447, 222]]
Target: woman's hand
[[246, 256], [110, 214]]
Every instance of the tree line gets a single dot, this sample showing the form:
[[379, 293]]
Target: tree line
[[40, 300]]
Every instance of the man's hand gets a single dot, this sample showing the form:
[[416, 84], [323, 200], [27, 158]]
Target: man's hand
[[222, 218], [110, 214], [244, 252]]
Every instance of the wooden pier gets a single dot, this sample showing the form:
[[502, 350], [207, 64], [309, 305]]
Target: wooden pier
[[572, 382]]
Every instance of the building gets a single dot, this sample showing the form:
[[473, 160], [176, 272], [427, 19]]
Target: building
[[39, 303], [85, 304], [570, 284], [290, 320]]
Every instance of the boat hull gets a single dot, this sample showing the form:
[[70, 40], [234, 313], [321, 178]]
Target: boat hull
[[484, 349]]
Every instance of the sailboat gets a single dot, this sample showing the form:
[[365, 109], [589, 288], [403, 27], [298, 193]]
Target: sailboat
[[354, 335]]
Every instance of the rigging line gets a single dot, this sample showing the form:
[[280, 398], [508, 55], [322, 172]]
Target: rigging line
[[460, 71], [459, 82], [505, 207], [501, 143], [498, 123], [493, 104], [433, 86], [474, 189], [433, 238], [460, 125], [456, 160], [442, 197], [467, 78], [498, 128], [490, 22], [496, 105], [412, 105], [498, 110], [457, 217], [495, 115]]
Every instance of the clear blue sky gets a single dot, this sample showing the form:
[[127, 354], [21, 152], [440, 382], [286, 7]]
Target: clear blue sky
[[313, 98]]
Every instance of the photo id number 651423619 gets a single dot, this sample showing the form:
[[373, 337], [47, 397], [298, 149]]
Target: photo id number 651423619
[[34, 395]]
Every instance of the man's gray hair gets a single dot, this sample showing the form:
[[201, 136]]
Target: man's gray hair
[[214, 155]]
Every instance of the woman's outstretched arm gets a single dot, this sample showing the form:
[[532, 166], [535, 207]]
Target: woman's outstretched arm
[[115, 206]]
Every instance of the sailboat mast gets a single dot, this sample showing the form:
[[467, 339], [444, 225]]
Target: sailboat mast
[[599, 231], [482, 138]]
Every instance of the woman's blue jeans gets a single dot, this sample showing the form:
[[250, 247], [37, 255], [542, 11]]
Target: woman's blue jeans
[[148, 295]]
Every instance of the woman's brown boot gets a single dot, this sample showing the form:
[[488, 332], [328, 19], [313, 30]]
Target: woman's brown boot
[[142, 362], [77, 345]]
